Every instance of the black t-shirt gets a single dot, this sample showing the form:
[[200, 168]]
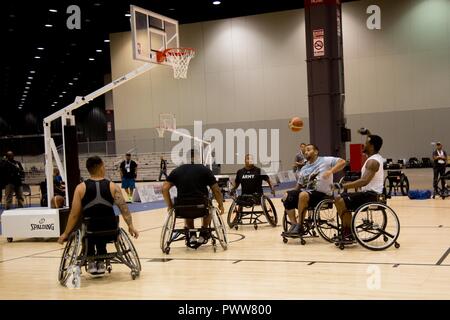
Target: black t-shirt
[[13, 172], [192, 180], [440, 162], [251, 180], [163, 165], [128, 169]]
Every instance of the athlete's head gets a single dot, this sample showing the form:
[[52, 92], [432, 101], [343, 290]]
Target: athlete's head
[[10, 155], [373, 144], [95, 166], [311, 152]]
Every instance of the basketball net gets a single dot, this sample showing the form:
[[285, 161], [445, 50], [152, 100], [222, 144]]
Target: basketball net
[[179, 59]]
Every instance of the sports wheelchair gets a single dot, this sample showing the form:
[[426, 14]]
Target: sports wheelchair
[[193, 208], [439, 191], [375, 226], [320, 217], [75, 251], [396, 180], [238, 216]]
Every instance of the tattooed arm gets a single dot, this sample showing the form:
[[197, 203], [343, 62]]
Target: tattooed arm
[[120, 202]]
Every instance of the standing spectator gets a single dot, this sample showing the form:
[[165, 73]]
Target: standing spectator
[[14, 175], [300, 158], [162, 169], [58, 183], [439, 162], [128, 174], [2, 177]]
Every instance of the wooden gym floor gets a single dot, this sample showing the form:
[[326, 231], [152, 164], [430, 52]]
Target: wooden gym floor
[[257, 265]]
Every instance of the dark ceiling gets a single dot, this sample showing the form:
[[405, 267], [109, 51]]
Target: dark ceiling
[[36, 82]]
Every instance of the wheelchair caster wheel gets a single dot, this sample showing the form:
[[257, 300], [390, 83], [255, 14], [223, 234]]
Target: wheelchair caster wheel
[[386, 239], [285, 240], [314, 233], [236, 227], [341, 246], [133, 275], [109, 268], [167, 250], [336, 244], [9, 239], [256, 227], [397, 245], [302, 242], [215, 248]]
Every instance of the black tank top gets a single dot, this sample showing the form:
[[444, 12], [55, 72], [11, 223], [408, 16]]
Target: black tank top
[[97, 201]]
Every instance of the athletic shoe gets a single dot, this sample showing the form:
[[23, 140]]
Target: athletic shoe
[[295, 230], [101, 268], [192, 238], [92, 267], [204, 236]]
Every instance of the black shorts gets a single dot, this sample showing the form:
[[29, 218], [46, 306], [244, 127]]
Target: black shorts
[[291, 201], [355, 200]]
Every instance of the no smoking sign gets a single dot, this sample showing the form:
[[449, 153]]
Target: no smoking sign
[[318, 43]]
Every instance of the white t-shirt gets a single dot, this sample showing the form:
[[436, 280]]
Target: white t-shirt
[[377, 182]]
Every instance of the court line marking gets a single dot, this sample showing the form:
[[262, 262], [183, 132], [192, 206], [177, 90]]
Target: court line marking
[[444, 256], [308, 262], [31, 255]]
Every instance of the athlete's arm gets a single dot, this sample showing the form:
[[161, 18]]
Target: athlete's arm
[[120, 202], [372, 167]]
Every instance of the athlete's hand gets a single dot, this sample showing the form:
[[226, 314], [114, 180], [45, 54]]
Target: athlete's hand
[[133, 232], [273, 192], [62, 238]]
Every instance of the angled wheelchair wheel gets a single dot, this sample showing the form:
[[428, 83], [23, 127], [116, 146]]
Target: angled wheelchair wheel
[[233, 215], [129, 253], [388, 185], [376, 226], [269, 211], [325, 220], [70, 255], [404, 185], [286, 223], [219, 228], [167, 230]]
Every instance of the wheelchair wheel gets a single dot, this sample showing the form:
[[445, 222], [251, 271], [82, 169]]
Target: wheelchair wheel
[[286, 223], [219, 228], [167, 231], [404, 185], [388, 186], [375, 226], [325, 220], [70, 256], [269, 210], [129, 252], [233, 215]]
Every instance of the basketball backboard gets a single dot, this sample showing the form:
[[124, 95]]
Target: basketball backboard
[[152, 32]]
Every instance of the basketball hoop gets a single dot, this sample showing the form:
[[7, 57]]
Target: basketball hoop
[[178, 58], [167, 121]]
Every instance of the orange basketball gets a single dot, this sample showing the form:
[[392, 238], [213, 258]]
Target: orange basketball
[[296, 124]]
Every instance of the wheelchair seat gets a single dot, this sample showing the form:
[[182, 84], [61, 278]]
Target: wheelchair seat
[[192, 208], [248, 200], [238, 216], [104, 227]]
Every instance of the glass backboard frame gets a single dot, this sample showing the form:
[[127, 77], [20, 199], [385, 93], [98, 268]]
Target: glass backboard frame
[[152, 32]]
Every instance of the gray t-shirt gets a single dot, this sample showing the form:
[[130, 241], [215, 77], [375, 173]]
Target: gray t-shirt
[[309, 182]]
